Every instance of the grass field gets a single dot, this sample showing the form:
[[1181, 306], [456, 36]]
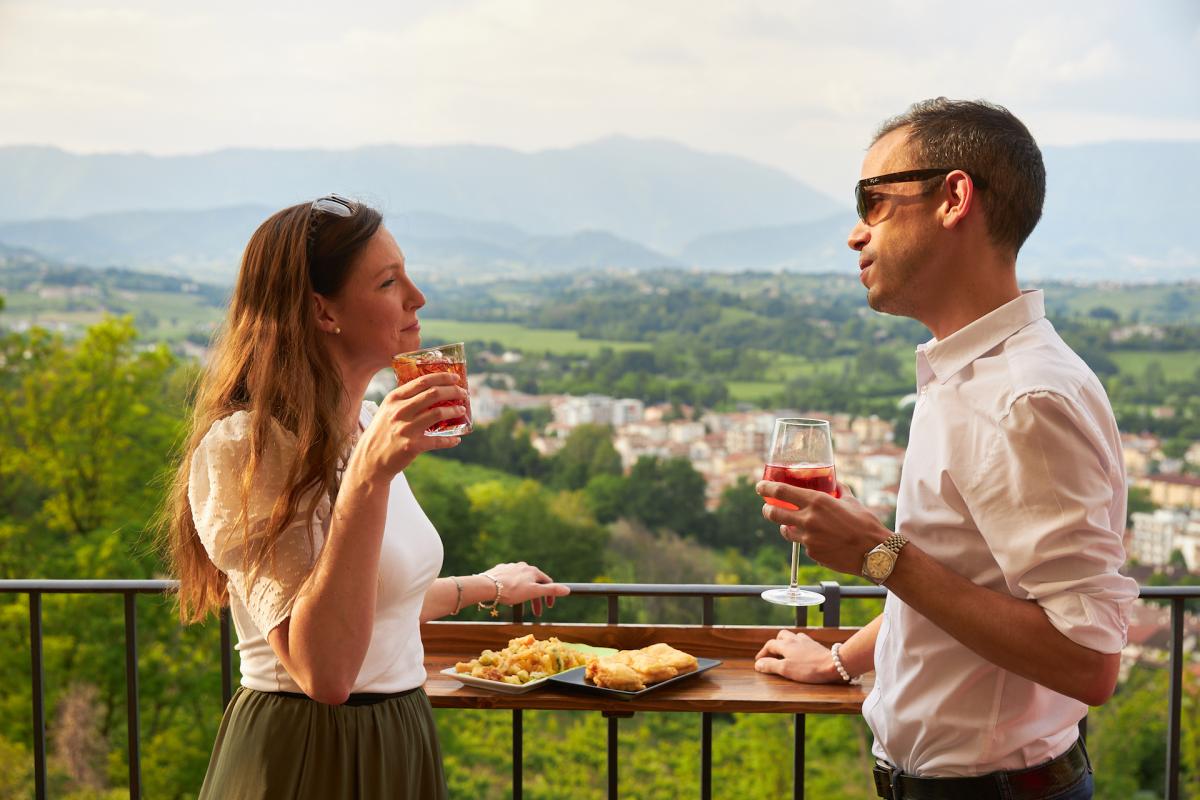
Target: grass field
[[753, 391], [1176, 365], [519, 337], [175, 315], [1174, 303]]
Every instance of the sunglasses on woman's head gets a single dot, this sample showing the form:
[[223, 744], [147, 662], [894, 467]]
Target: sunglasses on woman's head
[[333, 204]]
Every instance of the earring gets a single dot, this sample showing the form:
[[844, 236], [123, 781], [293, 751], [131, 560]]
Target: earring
[[337, 331]]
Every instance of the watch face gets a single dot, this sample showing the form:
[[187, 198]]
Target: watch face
[[879, 563]]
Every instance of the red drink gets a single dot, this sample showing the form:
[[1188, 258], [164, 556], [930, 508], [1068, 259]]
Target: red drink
[[408, 369], [818, 477]]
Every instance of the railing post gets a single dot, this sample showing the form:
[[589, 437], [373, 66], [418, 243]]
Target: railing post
[[1176, 699], [226, 658], [613, 742], [518, 754], [832, 607], [39, 695], [131, 697], [518, 729], [614, 618], [708, 616], [798, 760], [801, 616]]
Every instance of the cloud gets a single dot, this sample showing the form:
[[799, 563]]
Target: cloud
[[798, 85]]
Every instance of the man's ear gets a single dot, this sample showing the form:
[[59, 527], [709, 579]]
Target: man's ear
[[324, 313], [958, 201]]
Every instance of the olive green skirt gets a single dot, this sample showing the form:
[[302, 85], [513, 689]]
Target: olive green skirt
[[281, 747]]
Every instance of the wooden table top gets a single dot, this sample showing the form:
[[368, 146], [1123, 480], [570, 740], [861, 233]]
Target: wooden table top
[[732, 686]]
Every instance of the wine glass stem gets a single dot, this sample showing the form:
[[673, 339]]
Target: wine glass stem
[[794, 585]]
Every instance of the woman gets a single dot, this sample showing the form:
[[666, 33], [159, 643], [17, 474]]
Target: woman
[[291, 506]]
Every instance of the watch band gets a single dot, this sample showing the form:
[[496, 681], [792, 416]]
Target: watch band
[[894, 543]]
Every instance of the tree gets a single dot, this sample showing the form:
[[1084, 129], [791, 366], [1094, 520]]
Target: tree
[[527, 523], [587, 452], [738, 521], [1139, 501], [605, 497], [88, 428], [667, 494], [1176, 447], [504, 444]]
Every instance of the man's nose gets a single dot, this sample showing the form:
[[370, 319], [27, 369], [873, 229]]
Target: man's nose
[[860, 234]]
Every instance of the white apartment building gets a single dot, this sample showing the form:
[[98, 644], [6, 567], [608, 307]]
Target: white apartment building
[[1159, 533], [591, 409], [685, 432], [872, 431], [598, 409], [628, 411], [487, 403]]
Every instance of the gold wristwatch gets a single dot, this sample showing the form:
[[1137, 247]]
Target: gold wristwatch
[[881, 560]]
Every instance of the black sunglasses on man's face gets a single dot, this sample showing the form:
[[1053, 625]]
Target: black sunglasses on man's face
[[870, 212]]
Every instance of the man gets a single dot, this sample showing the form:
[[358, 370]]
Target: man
[[1005, 615]]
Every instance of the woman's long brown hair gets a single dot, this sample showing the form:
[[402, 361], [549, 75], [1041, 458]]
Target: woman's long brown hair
[[268, 360]]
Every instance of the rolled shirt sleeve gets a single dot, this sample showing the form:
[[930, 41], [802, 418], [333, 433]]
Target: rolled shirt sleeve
[[218, 468], [1045, 498]]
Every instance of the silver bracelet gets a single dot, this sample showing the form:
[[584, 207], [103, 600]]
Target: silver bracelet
[[837, 662], [491, 607]]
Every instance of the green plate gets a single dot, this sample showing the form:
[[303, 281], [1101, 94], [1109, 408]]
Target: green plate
[[591, 650]]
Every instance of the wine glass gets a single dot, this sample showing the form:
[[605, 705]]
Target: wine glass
[[801, 455]]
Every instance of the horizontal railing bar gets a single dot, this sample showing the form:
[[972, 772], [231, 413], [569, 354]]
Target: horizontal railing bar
[[58, 586], [1169, 592], [704, 589]]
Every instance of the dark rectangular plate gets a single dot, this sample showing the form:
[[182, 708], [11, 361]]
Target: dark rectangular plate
[[573, 678]]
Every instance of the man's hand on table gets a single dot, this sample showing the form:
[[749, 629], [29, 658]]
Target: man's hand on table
[[798, 657]]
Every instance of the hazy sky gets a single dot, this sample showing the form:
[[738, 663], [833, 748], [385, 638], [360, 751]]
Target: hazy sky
[[798, 85]]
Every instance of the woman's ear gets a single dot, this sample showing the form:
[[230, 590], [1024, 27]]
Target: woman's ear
[[325, 314]]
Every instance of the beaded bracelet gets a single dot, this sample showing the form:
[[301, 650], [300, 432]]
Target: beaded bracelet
[[491, 607], [837, 662]]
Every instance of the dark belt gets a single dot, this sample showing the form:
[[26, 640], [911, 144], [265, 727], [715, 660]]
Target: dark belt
[[1019, 784], [365, 699]]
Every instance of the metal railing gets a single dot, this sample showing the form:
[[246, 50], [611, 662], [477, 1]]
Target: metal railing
[[830, 617]]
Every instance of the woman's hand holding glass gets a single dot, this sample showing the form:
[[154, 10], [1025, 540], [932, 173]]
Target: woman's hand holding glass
[[397, 434]]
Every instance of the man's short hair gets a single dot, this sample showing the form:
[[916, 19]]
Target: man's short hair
[[988, 142]]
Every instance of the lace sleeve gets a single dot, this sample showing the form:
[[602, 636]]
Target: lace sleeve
[[215, 493]]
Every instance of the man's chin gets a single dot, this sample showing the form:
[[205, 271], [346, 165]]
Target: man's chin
[[876, 300]]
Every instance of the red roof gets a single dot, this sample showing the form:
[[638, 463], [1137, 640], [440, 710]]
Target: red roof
[[1178, 480]]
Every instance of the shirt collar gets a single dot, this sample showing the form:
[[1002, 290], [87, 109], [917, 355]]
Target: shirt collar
[[941, 360]]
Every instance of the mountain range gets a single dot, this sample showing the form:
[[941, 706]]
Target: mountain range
[[1114, 211]]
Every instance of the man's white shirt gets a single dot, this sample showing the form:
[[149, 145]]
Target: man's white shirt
[[1013, 479]]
